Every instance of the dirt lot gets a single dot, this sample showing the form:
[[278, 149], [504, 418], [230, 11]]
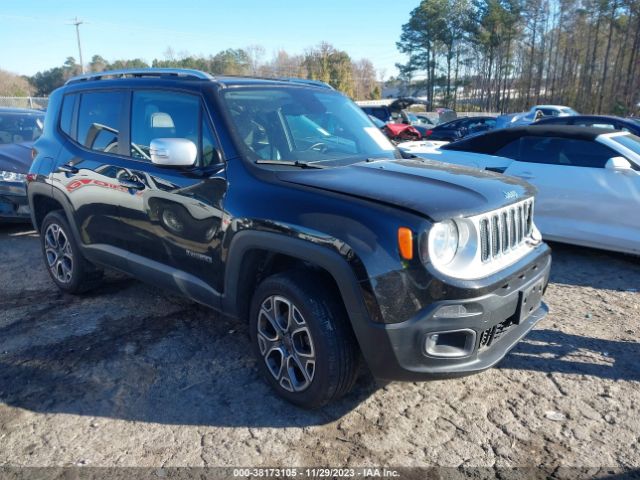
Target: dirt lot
[[131, 376]]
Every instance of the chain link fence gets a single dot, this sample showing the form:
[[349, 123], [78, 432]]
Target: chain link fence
[[38, 103]]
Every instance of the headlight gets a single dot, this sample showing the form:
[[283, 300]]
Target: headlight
[[12, 176], [444, 239]]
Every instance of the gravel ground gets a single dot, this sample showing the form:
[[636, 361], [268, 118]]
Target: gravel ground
[[130, 376]]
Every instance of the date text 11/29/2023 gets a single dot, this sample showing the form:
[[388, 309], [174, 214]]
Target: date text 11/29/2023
[[319, 472]]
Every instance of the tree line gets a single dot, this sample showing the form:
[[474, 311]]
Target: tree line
[[356, 78], [506, 55]]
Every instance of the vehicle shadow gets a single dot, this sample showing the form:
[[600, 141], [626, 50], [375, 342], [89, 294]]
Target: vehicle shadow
[[186, 367], [17, 229], [552, 351], [590, 267]]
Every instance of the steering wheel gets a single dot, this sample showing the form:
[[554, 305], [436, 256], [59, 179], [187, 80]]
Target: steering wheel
[[319, 147]]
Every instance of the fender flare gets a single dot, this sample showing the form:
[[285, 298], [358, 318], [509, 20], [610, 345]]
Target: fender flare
[[331, 261], [41, 189]]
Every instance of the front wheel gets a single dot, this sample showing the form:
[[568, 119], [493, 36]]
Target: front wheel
[[305, 347]]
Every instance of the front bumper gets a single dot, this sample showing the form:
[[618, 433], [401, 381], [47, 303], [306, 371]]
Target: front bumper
[[14, 205], [491, 324]]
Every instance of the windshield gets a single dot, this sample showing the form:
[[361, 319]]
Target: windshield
[[632, 142], [304, 125], [424, 120], [412, 117], [20, 127]]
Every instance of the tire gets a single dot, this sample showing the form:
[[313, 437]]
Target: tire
[[66, 265], [310, 332]]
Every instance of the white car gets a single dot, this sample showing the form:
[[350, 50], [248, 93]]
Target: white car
[[535, 113], [588, 179]]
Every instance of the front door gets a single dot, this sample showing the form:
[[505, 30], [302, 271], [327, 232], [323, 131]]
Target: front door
[[173, 216]]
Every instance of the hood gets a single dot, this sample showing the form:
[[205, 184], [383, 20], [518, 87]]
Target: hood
[[16, 157], [433, 189]]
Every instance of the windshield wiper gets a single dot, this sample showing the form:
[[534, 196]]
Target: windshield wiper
[[297, 163]]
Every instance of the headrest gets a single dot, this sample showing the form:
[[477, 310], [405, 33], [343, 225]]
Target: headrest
[[161, 120]]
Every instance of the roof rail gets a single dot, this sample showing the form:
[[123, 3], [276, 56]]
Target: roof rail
[[306, 81], [143, 72]]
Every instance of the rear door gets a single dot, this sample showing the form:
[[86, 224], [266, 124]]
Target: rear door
[[578, 199], [93, 122]]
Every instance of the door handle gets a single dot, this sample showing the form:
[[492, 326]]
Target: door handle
[[66, 168], [133, 184]]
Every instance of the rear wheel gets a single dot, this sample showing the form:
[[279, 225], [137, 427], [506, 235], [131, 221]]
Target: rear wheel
[[305, 347], [67, 267]]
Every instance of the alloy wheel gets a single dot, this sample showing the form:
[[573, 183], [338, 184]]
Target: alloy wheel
[[286, 344], [58, 253]]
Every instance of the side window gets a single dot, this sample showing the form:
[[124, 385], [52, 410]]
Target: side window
[[549, 112], [99, 120], [480, 125], [563, 151], [510, 150], [66, 114], [540, 149], [583, 153], [164, 114]]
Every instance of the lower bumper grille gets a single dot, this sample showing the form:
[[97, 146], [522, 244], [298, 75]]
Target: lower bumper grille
[[491, 335]]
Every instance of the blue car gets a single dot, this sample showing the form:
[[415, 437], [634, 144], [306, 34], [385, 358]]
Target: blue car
[[19, 128]]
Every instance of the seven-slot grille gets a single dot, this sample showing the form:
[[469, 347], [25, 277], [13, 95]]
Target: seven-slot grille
[[505, 229]]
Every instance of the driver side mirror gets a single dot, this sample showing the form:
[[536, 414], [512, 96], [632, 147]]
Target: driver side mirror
[[618, 164], [173, 152]]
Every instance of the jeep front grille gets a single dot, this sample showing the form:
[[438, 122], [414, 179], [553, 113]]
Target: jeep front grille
[[505, 229]]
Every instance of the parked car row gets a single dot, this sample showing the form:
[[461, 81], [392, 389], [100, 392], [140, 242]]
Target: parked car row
[[401, 125]]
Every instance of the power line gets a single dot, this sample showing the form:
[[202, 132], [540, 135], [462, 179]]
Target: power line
[[77, 24]]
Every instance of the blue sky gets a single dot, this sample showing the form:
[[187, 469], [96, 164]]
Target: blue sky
[[36, 35]]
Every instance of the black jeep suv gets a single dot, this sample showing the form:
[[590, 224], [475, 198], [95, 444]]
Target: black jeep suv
[[280, 203]]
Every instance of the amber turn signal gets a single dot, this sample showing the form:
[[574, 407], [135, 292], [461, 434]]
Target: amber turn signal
[[405, 243]]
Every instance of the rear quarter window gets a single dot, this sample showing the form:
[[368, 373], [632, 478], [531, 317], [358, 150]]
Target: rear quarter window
[[66, 114]]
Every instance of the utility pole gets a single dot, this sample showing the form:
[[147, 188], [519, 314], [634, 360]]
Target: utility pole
[[77, 23]]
